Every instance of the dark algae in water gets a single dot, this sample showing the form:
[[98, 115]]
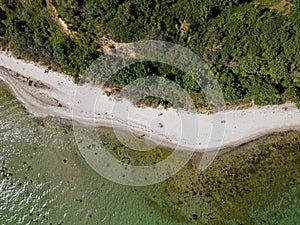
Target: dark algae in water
[[257, 183]]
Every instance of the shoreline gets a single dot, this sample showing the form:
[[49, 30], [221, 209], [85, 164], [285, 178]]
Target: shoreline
[[54, 94]]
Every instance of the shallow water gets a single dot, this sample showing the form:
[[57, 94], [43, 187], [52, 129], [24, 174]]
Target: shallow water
[[45, 180]]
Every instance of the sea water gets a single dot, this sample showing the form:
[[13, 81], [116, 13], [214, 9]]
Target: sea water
[[45, 180]]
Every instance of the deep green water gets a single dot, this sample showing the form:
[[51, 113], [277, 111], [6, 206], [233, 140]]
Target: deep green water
[[45, 180]]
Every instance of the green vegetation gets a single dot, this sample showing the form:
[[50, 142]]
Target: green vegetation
[[31, 33], [252, 47]]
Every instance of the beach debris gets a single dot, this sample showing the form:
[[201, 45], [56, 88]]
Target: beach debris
[[125, 160], [160, 125], [223, 121], [143, 135], [46, 70], [160, 114]]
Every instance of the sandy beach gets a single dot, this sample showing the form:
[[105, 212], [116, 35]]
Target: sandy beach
[[55, 94]]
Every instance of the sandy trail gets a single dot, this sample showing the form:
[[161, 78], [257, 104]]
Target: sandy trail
[[55, 94]]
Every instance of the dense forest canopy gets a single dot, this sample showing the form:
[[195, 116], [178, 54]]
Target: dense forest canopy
[[252, 47]]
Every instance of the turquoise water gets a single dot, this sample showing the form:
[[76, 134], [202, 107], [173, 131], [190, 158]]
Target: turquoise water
[[45, 180]]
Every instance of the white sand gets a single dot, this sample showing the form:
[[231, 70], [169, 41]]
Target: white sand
[[86, 104]]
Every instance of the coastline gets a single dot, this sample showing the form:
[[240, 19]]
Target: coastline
[[55, 94]]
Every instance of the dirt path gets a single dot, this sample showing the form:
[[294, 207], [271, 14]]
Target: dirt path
[[58, 20]]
